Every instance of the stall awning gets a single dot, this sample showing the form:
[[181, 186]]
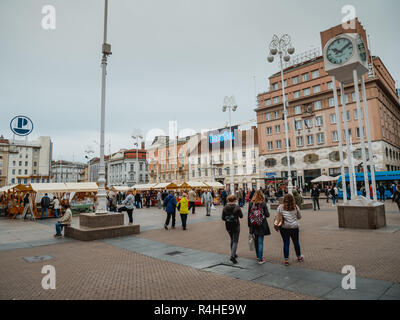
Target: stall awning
[[49, 187], [146, 186], [81, 186], [19, 187], [196, 184], [120, 188], [166, 185], [214, 184]]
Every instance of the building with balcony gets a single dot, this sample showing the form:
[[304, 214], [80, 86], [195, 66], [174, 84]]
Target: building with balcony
[[68, 171]]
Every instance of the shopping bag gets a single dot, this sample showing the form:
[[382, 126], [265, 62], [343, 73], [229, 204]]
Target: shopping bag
[[251, 243], [212, 206]]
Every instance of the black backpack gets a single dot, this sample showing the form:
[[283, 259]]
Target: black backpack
[[231, 220]]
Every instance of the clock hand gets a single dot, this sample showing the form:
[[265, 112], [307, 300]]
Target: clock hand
[[340, 51]]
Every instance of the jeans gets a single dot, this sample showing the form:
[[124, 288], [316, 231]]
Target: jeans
[[169, 215], [56, 212], [333, 200], [208, 208], [183, 219], [45, 212], [234, 235], [288, 234], [259, 246], [193, 206], [315, 203], [130, 215], [59, 227], [159, 203]]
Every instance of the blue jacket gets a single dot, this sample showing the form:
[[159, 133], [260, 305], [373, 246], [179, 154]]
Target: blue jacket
[[170, 203]]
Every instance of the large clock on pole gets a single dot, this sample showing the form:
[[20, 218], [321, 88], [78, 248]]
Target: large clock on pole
[[344, 53]]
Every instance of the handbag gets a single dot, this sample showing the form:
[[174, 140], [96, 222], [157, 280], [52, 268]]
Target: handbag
[[251, 243], [212, 206], [278, 224]]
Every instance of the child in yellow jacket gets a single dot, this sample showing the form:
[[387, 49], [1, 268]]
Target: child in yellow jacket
[[183, 207]]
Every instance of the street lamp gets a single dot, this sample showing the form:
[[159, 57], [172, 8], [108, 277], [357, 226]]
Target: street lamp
[[136, 135], [283, 46], [229, 103]]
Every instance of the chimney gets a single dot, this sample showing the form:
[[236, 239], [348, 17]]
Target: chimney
[[142, 145]]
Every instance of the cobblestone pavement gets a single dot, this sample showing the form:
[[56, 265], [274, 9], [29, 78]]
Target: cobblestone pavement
[[375, 254], [96, 270]]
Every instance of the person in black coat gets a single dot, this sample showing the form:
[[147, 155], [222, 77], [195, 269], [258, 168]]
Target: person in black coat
[[231, 214], [315, 197], [258, 231]]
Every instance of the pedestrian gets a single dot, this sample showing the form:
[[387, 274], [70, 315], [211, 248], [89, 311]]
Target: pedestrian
[[164, 194], [159, 204], [327, 193], [192, 201], [148, 199], [396, 196], [170, 207], [231, 214], [207, 200], [224, 196], [240, 197], [315, 197], [288, 214], [183, 207], [252, 193], [128, 205], [257, 222], [27, 205], [298, 198], [332, 193], [56, 206], [137, 200], [44, 205], [64, 221], [381, 190]]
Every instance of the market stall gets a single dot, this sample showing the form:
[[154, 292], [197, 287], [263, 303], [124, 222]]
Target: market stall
[[11, 199]]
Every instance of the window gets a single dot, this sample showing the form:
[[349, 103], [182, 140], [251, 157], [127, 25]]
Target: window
[[320, 138], [305, 77], [310, 139], [331, 102], [14, 163], [299, 141], [285, 143], [278, 128], [297, 109], [253, 154], [269, 130], [254, 169], [244, 154], [306, 91], [236, 169], [25, 171], [199, 172], [284, 83], [268, 102], [333, 118], [353, 96], [244, 169], [26, 163], [295, 80], [276, 99], [298, 125], [276, 114], [227, 171], [356, 115], [20, 163], [315, 74], [358, 132], [318, 105], [296, 94], [219, 171], [268, 116], [316, 89], [270, 145], [308, 123], [318, 121], [13, 171], [19, 171], [330, 85], [26, 156], [275, 86], [344, 134], [278, 144], [347, 117]]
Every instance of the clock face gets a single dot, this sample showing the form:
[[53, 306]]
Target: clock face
[[339, 51], [361, 48]]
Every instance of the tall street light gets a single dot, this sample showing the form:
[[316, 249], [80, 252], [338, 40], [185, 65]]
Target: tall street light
[[229, 103], [283, 46], [106, 51], [136, 135]]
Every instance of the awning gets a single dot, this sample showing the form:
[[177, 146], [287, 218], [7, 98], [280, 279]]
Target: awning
[[196, 184], [119, 188], [146, 186], [49, 187], [82, 186], [19, 187], [324, 178], [215, 184], [166, 185]]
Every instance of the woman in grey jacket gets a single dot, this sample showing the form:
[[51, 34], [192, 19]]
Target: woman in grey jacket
[[128, 205]]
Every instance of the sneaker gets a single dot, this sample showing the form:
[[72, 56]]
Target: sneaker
[[233, 259], [300, 259], [286, 263], [166, 227], [262, 261], [236, 256]]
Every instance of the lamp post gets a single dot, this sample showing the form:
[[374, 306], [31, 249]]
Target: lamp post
[[106, 51], [136, 135], [229, 103], [283, 47]]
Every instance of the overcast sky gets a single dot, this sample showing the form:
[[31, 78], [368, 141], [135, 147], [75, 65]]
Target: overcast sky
[[172, 60]]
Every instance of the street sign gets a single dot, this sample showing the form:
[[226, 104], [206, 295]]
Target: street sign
[[270, 174], [21, 125]]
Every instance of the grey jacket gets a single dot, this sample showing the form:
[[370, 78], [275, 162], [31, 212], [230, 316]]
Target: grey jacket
[[129, 202], [290, 218]]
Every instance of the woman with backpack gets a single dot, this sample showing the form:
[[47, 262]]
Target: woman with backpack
[[286, 222], [231, 214], [257, 222]]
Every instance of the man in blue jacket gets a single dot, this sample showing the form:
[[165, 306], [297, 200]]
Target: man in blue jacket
[[170, 207]]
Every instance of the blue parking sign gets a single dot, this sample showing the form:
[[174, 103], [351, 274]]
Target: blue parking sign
[[21, 125]]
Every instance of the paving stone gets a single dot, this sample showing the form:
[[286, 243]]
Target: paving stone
[[356, 294], [312, 288], [394, 291], [275, 280]]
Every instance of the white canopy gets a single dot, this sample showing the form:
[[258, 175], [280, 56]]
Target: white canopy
[[120, 188], [82, 186], [146, 186], [196, 184], [214, 184], [6, 188], [324, 178], [165, 185], [49, 187]]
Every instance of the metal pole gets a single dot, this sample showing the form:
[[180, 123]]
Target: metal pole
[[371, 157], [101, 193], [290, 186], [339, 130], [360, 124], [347, 137], [231, 142]]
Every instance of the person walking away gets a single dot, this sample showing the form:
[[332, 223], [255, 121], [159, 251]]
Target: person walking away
[[298, 198], [148, 199], [44, 205], [315, 197], [164, 194], [333, 195], [257, 222], [231, 214], [252, 193], [27, 205], [170, 207], [137, 200], [224, 196], [327, 193], [128, 206], [288, 215], [240, 197], [64, 221], [183, 207], [381, 190], [56, 204], [192, 201], [396, 196], [159, 204], [336, 193], [207, 200]]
